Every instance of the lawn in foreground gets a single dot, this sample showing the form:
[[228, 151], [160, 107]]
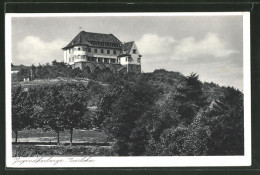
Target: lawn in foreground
[[37, 142], [79, 136]]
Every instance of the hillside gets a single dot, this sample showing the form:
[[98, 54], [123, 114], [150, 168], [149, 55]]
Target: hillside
[[158, 113], [58, 73]]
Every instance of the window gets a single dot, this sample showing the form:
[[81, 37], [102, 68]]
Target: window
[[134, 51], [89, 49], [102, 51], [114, 51], [138, 60], [108, 51], [79, 48], [126, 59], [95, 50], [84, 49]]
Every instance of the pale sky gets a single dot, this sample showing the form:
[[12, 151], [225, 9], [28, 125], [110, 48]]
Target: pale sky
[[211, 46]]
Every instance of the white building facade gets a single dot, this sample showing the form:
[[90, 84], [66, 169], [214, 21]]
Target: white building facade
[[98, 48]]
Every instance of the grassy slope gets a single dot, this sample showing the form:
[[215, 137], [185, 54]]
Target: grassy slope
[[47, 82]]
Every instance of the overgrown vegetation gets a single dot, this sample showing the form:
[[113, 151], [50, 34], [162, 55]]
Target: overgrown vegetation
[[161, 113]]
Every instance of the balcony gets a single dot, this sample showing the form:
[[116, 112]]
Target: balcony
[[80, 52]]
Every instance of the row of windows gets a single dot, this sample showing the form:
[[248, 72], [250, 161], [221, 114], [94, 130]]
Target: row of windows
[[99, 60], [105, 44], [105, 60], [89, 50]]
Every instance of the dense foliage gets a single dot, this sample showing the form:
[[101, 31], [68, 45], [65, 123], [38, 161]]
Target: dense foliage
[[160, 113], [150, 118], [22, 110]]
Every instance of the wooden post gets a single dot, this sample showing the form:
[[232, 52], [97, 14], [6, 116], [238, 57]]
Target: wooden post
[[58, 138], [16, 135], [71, 132]]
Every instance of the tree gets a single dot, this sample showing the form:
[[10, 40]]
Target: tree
[[74, 110], [64, 108], [122, 116], [24, 72], [172, 141], [190, 99], [22, 110], [105, 107], [51, 116]]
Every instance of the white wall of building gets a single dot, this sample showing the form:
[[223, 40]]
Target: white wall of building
[[133, 58], [124, 60], [80, 53], [135, 55]]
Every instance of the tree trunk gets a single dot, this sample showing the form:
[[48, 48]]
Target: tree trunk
[[71, 132], [58, 138], [16, 135]]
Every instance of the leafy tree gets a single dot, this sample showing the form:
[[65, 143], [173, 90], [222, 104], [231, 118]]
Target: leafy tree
[[105, 108], [190, 99], [132, 102], [64, 108], [52, 115], [22, 110], [73, 112], [24, 72], [171, 141]]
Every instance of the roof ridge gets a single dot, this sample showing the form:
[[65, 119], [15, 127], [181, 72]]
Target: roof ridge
[[98, 33]]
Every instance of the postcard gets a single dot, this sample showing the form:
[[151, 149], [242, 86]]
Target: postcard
[[128, 89]]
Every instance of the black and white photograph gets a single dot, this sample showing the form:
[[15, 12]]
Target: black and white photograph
[[128, 89]]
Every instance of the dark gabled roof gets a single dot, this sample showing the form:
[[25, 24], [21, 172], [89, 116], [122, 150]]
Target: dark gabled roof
[[126, 47], [87, 37]]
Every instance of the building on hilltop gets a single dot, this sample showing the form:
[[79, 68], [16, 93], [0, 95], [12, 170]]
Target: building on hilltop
[[97, 51]]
